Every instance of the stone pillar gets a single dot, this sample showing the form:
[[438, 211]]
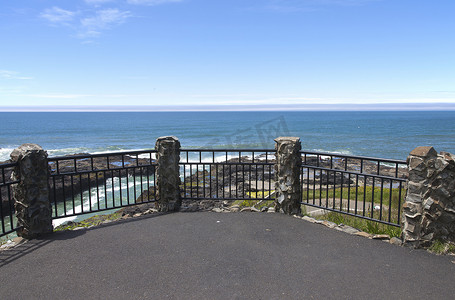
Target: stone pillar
[[168, 173], [31, 194], [429, 208], [287, 175]]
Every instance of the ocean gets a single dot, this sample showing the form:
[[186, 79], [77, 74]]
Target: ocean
[[378, 134]]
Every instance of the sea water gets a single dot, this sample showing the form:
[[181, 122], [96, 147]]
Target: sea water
[[378, 134]]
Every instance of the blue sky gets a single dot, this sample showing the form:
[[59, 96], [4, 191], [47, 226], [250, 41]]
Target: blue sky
[[238, 52]]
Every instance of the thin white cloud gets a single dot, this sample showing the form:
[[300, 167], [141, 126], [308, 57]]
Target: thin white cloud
[[340, 2], [311, 5], [88, 34], [8, 90], [97, 2], [80, 96], [91, 27], [238, 100], [105, 19], [152, 2], [57, 15], [60, 96], [90, 22], [13, 75]]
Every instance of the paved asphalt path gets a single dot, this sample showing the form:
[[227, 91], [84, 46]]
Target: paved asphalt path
[[220, 256]]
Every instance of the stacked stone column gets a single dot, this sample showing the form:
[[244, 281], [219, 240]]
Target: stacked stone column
[[168, 173], [429, 209], [31, 194], [287, 175]]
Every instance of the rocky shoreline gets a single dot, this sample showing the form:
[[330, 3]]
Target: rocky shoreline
[[92, 175], [237, 180]]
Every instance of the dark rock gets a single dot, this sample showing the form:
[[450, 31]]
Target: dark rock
[[334, 178], [147, 195], [95, 173], [425, 151]]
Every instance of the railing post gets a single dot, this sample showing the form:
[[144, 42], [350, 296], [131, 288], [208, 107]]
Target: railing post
[[428, 213], [31, 194], [168, 173], [287, 175]]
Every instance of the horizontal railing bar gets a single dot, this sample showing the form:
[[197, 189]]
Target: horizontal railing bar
[[101, 170], [55, 158], [227, 150], [102, 209], [351, 214], [8, 165], [355, 173], [226, 198], [69, 157], [226, 163], [258, 157], [10, 231], [9, 183], [395, 161]]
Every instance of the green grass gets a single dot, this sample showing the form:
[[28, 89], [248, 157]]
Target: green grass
[[369, 212], [253, 201], [92, 221], [366, 193], [258, 194], [441, 247], [193, 184], [361, 224]]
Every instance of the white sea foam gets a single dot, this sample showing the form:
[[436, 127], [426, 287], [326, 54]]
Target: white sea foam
[[119, 150], [222, 157], [338, 151], [67, 151], [146, 155], [4, 153], [123, 187], [58, 222], [111, 190], [76, 150]]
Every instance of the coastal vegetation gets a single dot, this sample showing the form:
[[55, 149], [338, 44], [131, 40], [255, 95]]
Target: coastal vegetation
[[89, 222], [368, 226], [367, 194], [361, 224], [438, 247], [441, 247]]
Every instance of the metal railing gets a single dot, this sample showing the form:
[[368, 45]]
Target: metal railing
[[82, 184], [8, 218], [365, 187], [227, 174]]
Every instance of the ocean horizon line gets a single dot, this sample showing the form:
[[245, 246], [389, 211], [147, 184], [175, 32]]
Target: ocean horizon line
[[389, 135], [195, 108]]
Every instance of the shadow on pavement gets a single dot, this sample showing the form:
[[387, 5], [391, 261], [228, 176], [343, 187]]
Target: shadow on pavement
[[9, 255]]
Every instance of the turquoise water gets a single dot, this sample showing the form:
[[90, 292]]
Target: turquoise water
[[379, 134]]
